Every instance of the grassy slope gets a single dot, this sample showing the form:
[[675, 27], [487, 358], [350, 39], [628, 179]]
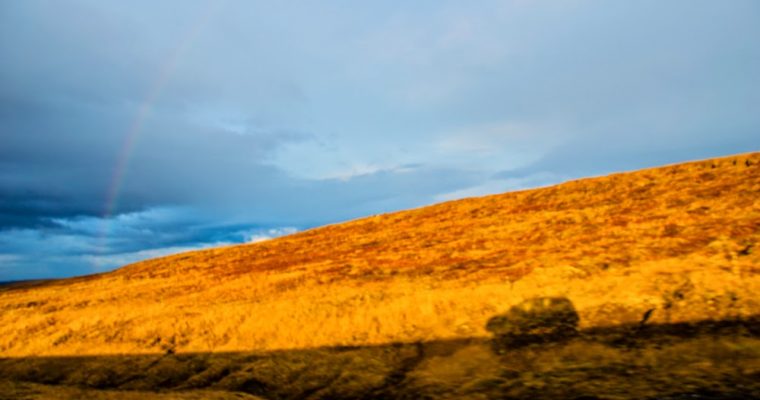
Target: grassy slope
[[680, 239]]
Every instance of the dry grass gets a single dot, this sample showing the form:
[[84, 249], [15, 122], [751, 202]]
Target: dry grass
[[681, 239], [32, 391], [716, 362]]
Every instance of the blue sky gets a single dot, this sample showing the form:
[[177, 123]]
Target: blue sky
[[134, 129]]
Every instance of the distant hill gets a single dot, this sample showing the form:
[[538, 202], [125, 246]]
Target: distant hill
[[672, 244]]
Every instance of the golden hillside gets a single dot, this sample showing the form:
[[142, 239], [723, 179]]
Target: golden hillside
[[680, 239]]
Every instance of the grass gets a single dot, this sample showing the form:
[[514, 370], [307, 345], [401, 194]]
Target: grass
[[681, 239]]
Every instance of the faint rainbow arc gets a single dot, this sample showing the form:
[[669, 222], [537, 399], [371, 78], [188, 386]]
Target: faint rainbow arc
[[135, 128]]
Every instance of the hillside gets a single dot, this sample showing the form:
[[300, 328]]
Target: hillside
[[680, 240]]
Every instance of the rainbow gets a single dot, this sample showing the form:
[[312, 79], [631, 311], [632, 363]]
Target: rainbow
[[156, 88]]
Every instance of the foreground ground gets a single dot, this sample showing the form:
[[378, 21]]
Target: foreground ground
[[704, 360]]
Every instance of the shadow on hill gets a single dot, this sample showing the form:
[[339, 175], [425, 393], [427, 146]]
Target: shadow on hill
[[536, 320], [537, 352]]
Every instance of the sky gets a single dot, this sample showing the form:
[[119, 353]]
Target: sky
[[131, 130]]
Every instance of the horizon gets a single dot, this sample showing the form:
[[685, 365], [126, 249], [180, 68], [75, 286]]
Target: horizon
[[133, 131], [363, 217]]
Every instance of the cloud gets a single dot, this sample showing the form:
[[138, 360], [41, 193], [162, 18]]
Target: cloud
[[268, 234], [85, 245], [501, 184], [602, 154]]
